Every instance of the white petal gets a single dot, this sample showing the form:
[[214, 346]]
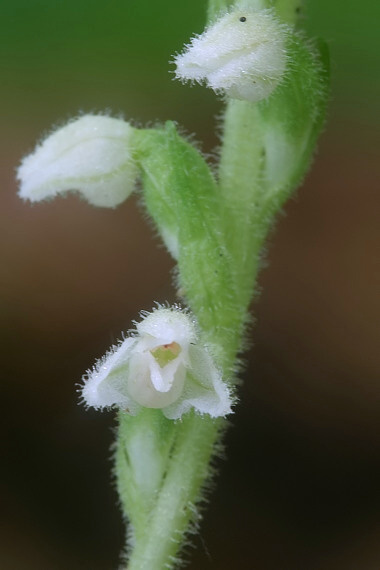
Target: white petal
[[91, 155], [204, 389], [164, 326], [106, 384]]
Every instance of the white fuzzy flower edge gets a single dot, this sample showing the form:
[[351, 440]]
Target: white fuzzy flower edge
[[123, 377]]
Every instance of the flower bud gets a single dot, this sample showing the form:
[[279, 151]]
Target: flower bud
[[242, 54], [91, 155], [162, 366]]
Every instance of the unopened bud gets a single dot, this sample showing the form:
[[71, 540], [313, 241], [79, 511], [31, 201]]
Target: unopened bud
[[242, 54], [91, 155]]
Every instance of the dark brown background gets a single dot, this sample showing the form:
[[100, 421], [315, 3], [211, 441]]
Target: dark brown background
[[299, 489]]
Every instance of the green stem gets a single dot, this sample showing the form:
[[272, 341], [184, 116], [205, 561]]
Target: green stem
[[175, 507], [240, 174]]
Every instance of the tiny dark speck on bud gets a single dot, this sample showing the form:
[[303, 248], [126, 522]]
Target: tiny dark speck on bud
[[243, 19]]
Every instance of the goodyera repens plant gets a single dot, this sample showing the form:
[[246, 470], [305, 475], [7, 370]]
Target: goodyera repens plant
[[172, 379]]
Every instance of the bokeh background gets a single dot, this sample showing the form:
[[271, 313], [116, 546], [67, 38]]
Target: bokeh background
[[299, 489]]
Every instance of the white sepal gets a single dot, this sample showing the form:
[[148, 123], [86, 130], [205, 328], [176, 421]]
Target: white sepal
[[105, 386], [91, 155], [242, 54], [162, 366]]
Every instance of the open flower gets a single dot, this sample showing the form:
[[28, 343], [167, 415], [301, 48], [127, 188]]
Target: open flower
[[161, 366], [242, 54], [91, 155]]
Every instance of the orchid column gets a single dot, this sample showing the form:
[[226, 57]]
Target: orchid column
[[172, 379]]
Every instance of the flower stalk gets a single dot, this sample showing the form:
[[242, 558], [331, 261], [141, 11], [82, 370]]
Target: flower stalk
[[157, 538]]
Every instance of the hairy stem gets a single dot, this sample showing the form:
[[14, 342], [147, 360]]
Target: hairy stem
[[175, 507], [240, 173]]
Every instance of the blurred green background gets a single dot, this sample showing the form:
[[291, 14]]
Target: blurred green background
[[300, 487]]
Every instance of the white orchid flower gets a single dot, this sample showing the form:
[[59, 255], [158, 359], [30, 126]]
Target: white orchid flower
[[91, 155], [162, 366], [242, 54]]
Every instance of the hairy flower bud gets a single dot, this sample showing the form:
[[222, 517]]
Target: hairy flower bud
[[162, 366], [91, 155], [242, 54]]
